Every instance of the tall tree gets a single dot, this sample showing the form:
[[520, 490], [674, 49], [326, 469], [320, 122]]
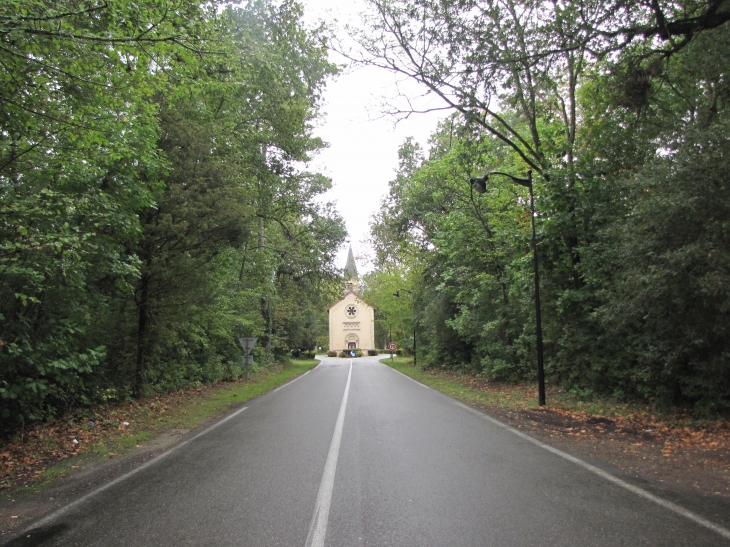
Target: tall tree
[[77, 126], [142, 146]]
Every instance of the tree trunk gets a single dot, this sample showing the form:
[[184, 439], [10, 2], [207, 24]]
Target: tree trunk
[[265, 311], [143, 306]]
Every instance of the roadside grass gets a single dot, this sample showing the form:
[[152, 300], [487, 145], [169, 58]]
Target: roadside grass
[[463, 388], [47, 452], [224, 396], [478, 391]]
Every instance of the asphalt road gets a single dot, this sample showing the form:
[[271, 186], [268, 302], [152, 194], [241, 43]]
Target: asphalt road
[[359, 455]]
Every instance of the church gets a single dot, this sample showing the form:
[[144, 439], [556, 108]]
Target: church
[[351, 320]]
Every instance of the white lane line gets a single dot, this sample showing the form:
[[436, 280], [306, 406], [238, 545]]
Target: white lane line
[[677, 509], [318, 528], [671, 506], [290, 382], [48, 519], [404, 376]]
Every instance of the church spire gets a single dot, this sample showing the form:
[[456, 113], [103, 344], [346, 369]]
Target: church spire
[[351, 277], [350, 267]]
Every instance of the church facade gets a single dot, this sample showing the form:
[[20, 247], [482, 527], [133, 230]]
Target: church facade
[[351, 320]]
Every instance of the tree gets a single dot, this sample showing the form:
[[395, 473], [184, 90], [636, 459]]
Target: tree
[[615, 126], [77, 127], [143, 150], [233, 142], [665, 308]]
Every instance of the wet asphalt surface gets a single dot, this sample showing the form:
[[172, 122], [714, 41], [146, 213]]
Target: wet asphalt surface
[[413, 468]]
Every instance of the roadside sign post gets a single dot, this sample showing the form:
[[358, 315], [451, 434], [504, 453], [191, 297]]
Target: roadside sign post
[[247, 344], [392, 347]]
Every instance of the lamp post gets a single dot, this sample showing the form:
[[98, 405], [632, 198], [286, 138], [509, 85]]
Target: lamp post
[[479, 185], [397, 295]]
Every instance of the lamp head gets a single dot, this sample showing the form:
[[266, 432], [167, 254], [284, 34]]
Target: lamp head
[[479, 184]]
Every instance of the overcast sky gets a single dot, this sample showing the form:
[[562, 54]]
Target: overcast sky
[[363, 146]]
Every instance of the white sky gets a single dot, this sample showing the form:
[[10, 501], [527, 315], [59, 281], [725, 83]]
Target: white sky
[[363, 152]]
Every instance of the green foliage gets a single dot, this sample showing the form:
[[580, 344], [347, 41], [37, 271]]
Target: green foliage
[[154, 207], [629, 159], [666, 307]]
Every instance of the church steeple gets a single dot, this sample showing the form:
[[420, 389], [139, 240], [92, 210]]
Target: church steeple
[[351, 277], [350, 267]]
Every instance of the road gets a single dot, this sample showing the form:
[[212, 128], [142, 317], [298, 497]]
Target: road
[[355, 454]]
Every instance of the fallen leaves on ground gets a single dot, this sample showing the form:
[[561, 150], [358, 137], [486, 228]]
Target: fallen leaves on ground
[[677, 430], [670, 446], [24, 457]]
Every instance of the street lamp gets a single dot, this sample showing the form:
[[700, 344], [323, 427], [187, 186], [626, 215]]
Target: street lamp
[[397, 295], [479, 185]]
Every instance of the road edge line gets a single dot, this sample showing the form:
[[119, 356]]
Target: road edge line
[[290, 382], [48, 519], [666, 504], [411, 379]]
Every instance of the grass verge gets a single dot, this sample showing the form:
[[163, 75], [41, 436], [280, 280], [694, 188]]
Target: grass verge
[[472, 389], [462, 388], [676, 427], [52, 450]]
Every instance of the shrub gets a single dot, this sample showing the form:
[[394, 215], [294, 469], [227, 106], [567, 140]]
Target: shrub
[[331, 353], [342, 354], [358, 353], [372, 352]]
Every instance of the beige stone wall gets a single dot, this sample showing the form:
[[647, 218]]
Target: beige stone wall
[[351, 319]]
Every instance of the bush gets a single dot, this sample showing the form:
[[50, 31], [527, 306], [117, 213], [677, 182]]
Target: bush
[[372, 352], [342, 354], [398, 352], [331, 353], [358, 353]]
